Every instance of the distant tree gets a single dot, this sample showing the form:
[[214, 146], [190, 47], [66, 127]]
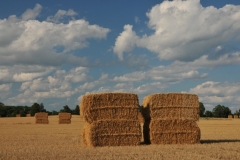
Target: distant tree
[[66, 109], [36, 108], [208, 114], [1, 104], [201, 109], [237, 112], [3, 112], [221, 111], [76, 111]]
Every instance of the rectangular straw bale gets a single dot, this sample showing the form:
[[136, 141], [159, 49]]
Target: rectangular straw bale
[[102, 106], [174, 132], [236, 116], [230, 116], [64, 115], [41, 121], [112, 133], [41, 118], [41, 115], [171, 106], [28, 115], [64, 121], [18, 115]]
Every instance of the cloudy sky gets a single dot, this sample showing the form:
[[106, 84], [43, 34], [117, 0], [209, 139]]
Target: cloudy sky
[[54, 52]]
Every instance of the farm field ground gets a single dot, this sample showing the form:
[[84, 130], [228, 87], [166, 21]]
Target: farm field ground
[[21, 138]]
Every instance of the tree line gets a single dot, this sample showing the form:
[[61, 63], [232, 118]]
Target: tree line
[[12, 111], [219, 111]]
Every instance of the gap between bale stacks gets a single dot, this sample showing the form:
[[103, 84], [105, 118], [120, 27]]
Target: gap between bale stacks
[[64, 118], [173, 109], [106, 115], [41, 118]]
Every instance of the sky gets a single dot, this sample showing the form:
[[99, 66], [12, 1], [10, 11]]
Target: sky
[[54, 52]]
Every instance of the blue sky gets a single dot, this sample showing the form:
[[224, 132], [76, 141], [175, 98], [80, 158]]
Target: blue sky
[[55, 52]]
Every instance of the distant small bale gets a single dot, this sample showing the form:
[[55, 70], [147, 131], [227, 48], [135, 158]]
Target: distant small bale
[[41, 118], [64, 118], [18, 115], [236, 116], [28, 115], [230, 116]]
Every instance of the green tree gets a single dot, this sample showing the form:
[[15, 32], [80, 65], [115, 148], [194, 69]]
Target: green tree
[[36, 108], [221, 111], [208, 114], [76, 111], [201, 109], [3, 112], [66, 109], [237, 112]]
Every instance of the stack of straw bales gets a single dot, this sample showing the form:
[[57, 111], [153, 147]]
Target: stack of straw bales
[[236, 116], [41, 118], [28, 115], [111, 119], [18, 115], [230, 116], [64, 118], [171, 118]]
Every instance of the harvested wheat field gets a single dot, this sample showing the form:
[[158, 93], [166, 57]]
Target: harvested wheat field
[[21, 138]]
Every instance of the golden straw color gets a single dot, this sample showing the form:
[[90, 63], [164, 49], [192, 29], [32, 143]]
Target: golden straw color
[[236, 116], [41, 118], [174, 132], [64, 118], [18, 115], [102, 106], [230, 116], [112, 133], [170, 118], [28, 115], [111, 119]]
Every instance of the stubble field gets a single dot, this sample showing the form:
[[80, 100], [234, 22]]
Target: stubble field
[[21, 138]]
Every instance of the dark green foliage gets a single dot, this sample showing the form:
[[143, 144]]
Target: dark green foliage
[[76, 111], [221, 111], [201, 109], [66, 109], [208, 114]]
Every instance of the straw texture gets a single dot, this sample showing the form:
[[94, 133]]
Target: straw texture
[[41, 118], [174, 132], [112, 133], [171, 106], [103, 106], [111, 119], [64, 118], [170, 118]]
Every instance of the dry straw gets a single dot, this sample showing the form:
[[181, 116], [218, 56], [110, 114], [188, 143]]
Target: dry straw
[[112, 133], [41, 118], [103, 106], [170, 118], [28, 115], [236, 116], [174, 132], [171, 106], [64, 118], [18, 115], [230, 116], [111, 119]]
